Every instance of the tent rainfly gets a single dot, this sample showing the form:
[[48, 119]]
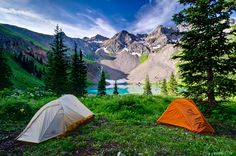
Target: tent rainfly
[[55, 118], [184, 113]]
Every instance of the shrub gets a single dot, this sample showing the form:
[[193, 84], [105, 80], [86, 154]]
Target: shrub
[[219, 112], [127, 104], [5, 92], [223, 113], [15, 110]]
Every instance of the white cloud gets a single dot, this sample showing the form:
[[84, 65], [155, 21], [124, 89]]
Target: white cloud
[[150, 16], [39, 23]]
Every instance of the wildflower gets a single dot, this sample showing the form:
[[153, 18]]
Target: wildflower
[[22, 109]]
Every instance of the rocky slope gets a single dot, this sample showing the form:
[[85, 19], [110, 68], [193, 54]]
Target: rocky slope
[[159, 66], [124, 62]]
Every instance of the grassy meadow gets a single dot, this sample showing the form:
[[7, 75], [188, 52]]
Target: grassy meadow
[[125, 124]]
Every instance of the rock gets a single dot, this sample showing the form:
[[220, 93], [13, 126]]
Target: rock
[[158, 66], [124, 62]]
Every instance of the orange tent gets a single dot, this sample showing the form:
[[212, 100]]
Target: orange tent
[[184, 113]]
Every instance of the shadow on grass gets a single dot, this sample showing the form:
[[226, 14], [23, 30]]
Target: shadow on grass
[[224, 129]]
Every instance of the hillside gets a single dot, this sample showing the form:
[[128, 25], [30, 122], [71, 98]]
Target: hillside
[[43, 41], [20, 77]]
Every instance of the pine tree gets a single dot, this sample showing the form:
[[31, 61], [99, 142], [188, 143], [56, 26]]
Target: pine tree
[[102, 84], [49, 72], [208, 56], [172, 84], [164, 90], [147, 86], [56, 78], [78, 74], [5, 72], [115, 92], [82, 75]]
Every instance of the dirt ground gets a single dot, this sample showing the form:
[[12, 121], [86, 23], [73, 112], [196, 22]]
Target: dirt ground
[[8, 144]]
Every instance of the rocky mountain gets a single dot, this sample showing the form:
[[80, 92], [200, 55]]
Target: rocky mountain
[[120, 41], [119, 56], [124, 41], [96, 39], [160, 37], [95, 42], [129, 49], [140, 43]]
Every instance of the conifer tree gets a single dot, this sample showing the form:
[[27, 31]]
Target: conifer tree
[[5, 72], [147, 86], [48, 79], [207, 58], [102, 84], [78, 74], [56, 78], [115, 92], [172, 84], [82, 74], [164, 90]]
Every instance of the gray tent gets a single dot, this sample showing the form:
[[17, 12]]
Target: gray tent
[[55, 118]]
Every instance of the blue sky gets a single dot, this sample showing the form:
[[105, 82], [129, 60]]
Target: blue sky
[[80, 18]]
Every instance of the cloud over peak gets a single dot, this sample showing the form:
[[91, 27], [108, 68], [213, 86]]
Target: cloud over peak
[[40, 23], [150, 16], [86, 20]]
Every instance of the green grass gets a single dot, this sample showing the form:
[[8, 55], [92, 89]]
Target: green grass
[[128, 124], [22, 78], [143, 58]]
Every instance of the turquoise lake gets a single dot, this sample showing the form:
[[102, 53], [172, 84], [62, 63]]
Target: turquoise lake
[[124, 89]]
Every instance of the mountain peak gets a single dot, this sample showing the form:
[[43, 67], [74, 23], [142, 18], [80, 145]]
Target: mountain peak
[[125, 36], [124, 32], [161, 36], [99, 37], [161, 29]]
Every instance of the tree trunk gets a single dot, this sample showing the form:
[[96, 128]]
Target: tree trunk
[[210, 89]]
